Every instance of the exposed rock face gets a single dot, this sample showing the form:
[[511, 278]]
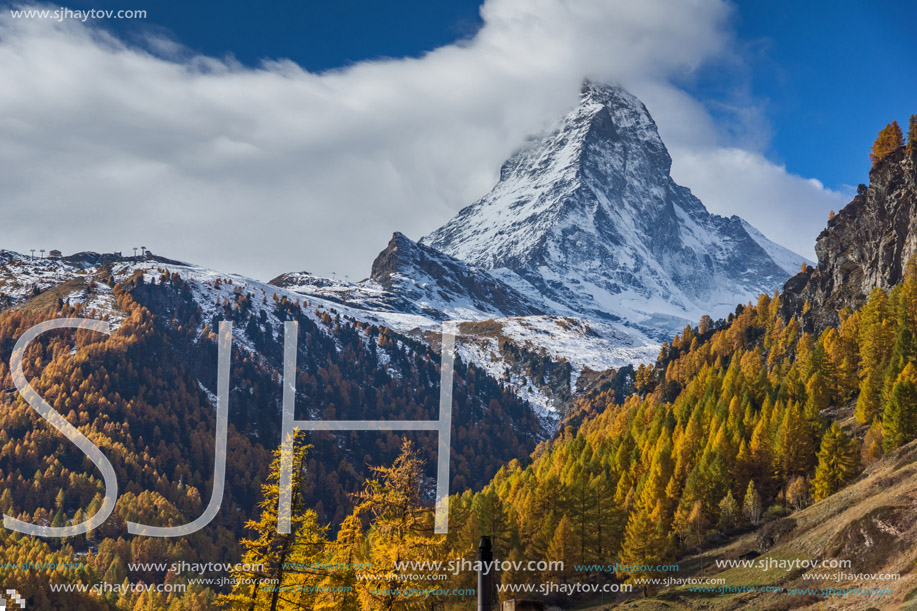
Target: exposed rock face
[[411, 278], [866, 245], [873, 539], [418, 274], [588, 220]]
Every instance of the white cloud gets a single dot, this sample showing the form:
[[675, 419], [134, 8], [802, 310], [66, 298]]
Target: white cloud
[[790, 209], [105, 146]]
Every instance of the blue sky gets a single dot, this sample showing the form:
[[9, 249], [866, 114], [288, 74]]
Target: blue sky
[[831, 75], [827, 75], [317, 35], [298, 135]]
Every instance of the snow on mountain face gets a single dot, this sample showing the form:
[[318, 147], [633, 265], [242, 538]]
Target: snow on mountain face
[[581, 345], [410, 278], [22, 277], [789, 261], [414, 287], [588, 221], [82, 278], [443, 286]]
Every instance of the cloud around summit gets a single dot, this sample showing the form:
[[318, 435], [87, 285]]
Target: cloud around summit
[[106, 145]]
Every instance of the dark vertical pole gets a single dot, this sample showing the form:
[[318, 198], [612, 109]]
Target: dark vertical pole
[[485, 575]]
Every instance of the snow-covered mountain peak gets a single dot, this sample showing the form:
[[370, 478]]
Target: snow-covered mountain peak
[[629, 118], [607, 140], [587, 219]]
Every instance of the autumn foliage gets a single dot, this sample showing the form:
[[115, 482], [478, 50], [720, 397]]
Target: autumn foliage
[[890, 139]]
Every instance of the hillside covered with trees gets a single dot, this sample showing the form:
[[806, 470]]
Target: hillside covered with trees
[[142, 396]]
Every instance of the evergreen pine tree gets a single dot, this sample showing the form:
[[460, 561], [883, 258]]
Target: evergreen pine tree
[[871, 450], [899, 422], [837, 463], [270, 553], [605, 529], [876, 339], [489, 517], [643, 547], [565, 546], [795, 451], [904, 352], [401, 530], [339, 590], [762, 455], [797, 493], [696, 525]]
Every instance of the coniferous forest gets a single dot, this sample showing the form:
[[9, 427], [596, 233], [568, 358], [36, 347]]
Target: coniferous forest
[[136, 395]]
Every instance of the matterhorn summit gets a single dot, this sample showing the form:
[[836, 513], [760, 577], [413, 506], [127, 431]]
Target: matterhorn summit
[[587, 221]]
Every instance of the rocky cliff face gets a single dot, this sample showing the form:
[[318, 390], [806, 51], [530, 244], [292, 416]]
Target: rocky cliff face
[[866, 245], [410, 278], [588, 220], [425, 277]]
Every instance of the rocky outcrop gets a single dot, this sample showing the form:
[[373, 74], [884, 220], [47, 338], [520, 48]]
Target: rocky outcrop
[[418, 274], [866, 245], [410, 278]]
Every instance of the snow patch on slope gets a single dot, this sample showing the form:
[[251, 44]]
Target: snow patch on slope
[[789, 261]]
